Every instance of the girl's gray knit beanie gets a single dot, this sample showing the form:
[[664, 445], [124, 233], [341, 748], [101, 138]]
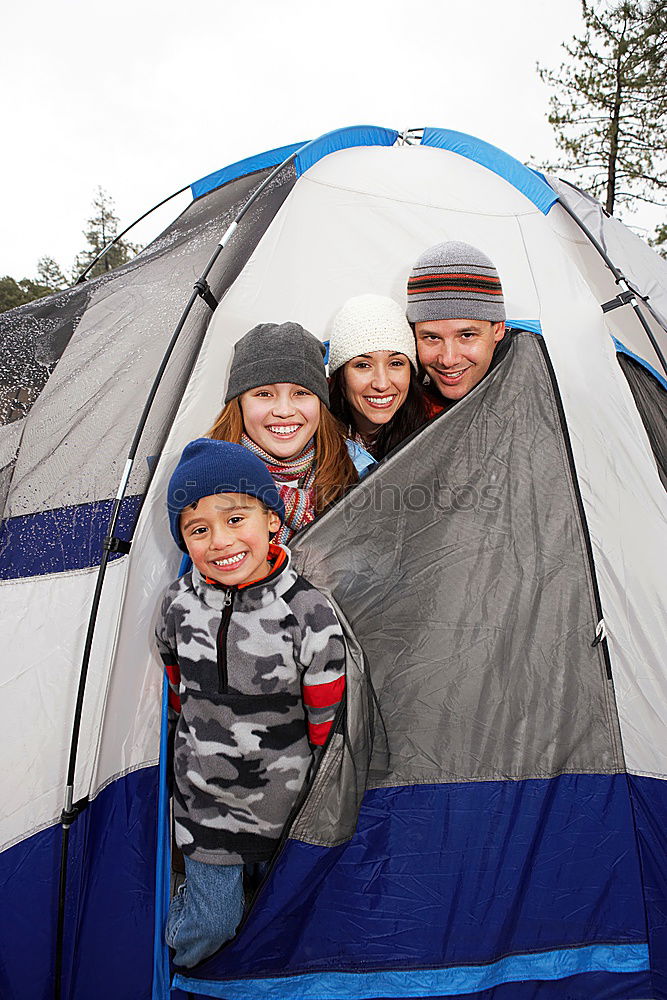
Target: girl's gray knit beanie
[[278, 352]]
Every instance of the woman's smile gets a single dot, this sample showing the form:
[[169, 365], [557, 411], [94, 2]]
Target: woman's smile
[[380, 402]]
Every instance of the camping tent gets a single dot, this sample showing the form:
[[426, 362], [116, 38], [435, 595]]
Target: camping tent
[[489, 817]]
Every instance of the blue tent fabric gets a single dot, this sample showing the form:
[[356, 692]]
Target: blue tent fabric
[[251, 164], [610, 986], [520, 176], [394, 898], [622, 349], [110, 885], [530, 325], [63, 538], [649, 800], [437, 982], [344, 138], [161, 972]]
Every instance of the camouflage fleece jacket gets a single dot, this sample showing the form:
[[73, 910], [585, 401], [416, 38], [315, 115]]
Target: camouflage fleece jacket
[[256, 673]]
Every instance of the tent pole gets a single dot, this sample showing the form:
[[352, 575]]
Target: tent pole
[[104, 251], [72, 809], [629, 294]]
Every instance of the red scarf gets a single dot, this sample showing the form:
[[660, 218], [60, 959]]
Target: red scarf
[[299, 500]]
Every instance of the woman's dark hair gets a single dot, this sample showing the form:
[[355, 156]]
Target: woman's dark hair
[[408, 418]]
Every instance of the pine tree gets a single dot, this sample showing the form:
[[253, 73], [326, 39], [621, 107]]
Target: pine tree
[[102, 227], [16, 293], [49, 273], [609, 105], [11, 293], [50, 279]]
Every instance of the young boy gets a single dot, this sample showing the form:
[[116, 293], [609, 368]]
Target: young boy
[[256, 665]]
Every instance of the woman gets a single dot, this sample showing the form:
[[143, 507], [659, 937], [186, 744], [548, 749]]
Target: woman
[[276, 405], [373, 383]]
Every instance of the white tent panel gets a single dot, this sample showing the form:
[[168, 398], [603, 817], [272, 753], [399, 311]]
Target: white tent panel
[[46, 618], [643, 267], [424, 176], [130, 734]]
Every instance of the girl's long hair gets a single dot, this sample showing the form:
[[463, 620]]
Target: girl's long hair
[[334, 469], [408, 418]]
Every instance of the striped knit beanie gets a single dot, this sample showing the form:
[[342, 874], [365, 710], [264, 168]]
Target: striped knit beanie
[[368, 323], [454, 281]]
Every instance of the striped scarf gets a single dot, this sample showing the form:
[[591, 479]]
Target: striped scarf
[[299, 500]]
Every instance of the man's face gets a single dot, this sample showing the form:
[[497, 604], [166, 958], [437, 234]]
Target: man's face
[[456, 353]]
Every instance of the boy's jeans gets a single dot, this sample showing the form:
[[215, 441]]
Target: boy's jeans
[[205, 912]]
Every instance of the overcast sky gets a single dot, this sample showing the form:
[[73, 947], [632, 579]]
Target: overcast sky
[[144, 97]]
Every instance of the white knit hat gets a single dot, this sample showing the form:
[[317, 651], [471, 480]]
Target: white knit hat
[[370, 323]]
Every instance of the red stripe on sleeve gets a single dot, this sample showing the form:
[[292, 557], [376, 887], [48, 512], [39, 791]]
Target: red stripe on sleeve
[[318, 732], [174, 701], [322, 695], [173, 673]]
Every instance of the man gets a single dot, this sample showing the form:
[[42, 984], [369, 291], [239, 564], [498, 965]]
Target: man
[[456, 307]]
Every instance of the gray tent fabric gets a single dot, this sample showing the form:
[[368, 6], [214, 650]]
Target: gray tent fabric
[[332, 803], [475, 528], [651, 399], [79, 411], [32, 341]]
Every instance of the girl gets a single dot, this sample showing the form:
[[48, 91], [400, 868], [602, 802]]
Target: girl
[[277, 406], [373, 387]]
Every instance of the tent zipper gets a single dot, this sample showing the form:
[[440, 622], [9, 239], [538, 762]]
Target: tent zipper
[[221, 641], [601, 630]]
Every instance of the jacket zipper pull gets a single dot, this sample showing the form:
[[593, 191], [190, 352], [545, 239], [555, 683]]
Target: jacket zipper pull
[[600, 633], [221, 640]]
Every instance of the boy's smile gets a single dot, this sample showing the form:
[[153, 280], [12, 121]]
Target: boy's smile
[[227, 537]]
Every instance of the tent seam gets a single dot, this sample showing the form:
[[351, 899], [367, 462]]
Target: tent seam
[[464, 780], [422, 204], [55, 821]]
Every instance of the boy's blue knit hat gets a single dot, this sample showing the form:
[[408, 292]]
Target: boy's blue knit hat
[[207, 467]]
